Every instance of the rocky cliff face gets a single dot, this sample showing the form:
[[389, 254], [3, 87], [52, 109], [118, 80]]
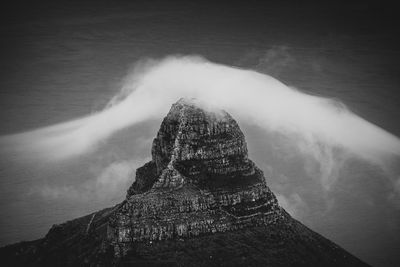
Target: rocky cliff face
[[200, 181], [200, 201], [203, 148]]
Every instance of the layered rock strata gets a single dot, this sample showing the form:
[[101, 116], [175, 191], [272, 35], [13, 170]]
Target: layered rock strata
[[199, 181], [199, 202]]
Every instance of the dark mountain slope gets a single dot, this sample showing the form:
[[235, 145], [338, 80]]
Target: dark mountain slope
[[200, 201]]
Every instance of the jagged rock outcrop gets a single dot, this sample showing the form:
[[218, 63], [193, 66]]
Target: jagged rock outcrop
[[200, 201], [200, 147], [200, 181]]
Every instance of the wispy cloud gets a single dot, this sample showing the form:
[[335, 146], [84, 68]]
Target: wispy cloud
[[317, 126], [293, 204], [107, 184]]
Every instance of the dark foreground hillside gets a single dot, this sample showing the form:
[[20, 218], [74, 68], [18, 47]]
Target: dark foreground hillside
[[200, 201], [284, 243]]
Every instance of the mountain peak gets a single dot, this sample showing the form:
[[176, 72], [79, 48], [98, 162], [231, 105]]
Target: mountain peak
[[200, 147], [200, 201]]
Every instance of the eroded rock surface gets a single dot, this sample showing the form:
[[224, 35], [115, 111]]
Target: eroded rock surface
[[199, 181], [200, 201]]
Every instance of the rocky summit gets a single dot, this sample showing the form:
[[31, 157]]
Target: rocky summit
[[199, 181], [200, 201]]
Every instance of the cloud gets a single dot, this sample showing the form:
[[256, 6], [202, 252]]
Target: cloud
[[293, 204], [322, 160], [315, 124], [108, 184], [115, 178], [274, 60]]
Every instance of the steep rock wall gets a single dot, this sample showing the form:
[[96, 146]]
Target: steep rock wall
[[199, 181]]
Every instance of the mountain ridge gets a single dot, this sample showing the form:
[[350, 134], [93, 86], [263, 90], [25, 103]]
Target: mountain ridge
[[199, 201]]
